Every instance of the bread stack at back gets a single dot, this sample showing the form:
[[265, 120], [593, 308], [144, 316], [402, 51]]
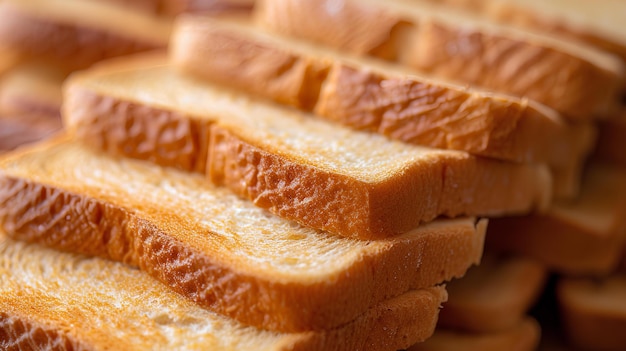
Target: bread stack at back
[[282, 195], [583, 233]]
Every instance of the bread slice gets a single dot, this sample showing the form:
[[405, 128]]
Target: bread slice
[[611, 143], [523, 336], [77, 33], [214, 248], [32, 89], [494, 296], [60, 301], [583, 236], [208, 6], [594, 312], [599, 23], [576, 80], [367, 95], [324, 176], [24, 129]]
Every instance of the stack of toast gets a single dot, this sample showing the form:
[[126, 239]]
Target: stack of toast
[[306, 175]]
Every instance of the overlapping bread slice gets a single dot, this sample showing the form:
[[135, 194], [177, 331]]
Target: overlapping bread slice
[[578, 81], [594, 312], [77, 33], [599, 23], [583, 236], [523, 336], [17, 130], [494, 296], [218, 250], [58, 301], [322, 175], [365, 94], [32, 89]]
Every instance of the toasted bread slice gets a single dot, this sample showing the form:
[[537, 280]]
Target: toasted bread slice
[[76, 33], [322, 175], [60, 301], [599, 23], [611, 141], [576, 80], [594, 312], [32, 89], [524, 336], [583, 236], [494, 296], [367, 95], [24, 129], [215, 248], [208, 6]]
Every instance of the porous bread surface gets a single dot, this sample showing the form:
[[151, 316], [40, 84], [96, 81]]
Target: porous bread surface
[[523, 336], [494, 296], [70, 302], [457, 46], [215, 248], [594, 311], [575, 237], [76, 33], [381, 187], [365, 94]]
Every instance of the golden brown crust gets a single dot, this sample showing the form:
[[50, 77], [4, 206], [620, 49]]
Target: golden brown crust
[[228, 58], [522, 66], [114, 307], [402, 106], [593, 312], [494, 296], [36, 212], [167, 138], [527, 16], [350, 207], [425, 113], [19, 332], [564, 238], [68, 45], [581, 90], [347, 25], [428, 184]]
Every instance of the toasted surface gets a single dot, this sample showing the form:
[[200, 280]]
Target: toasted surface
[[494, 296], [53, 300], [582, 236], [319, 174], [77, 33], [33, 89], [498, 57], [218, 250], [523, 336], [367, 95], [611, 143], [594, 312]]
